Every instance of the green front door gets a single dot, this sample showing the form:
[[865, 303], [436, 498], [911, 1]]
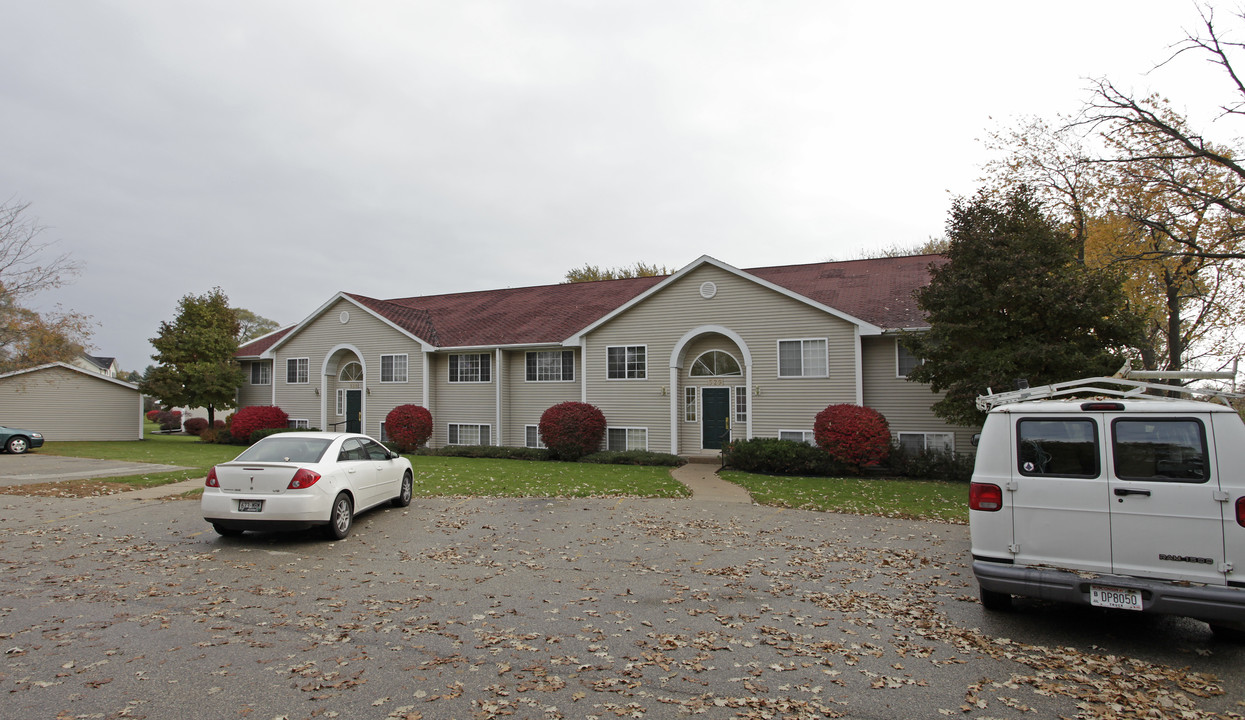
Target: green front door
[[354, 411], [716, 418]]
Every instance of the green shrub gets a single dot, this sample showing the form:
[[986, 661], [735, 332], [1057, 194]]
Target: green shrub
[[772, 456], [634, 457], [485, 451], [932, 464]]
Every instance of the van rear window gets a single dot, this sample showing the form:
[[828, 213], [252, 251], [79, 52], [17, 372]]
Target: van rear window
[[1064, 447], [1163, 449]]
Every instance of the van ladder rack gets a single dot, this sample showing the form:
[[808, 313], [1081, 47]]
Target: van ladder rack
[[1119, 385]]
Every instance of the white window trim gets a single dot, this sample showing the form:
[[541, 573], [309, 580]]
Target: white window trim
[[690, 406], [539, 443], [491, 370], [691, 367], [474, 425], [341, 402], [898, 349], [741, 392], [406, 368], [925, 436], [266, 372], [626, 376], [295, 360], [803, 374], [563, 377], [299, 423], [628, 436], [808, 436]]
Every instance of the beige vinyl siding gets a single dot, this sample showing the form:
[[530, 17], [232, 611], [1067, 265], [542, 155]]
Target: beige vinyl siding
[[250, 394], [67, 405], [469, 403], [524, 402], [760, 316], [372, 338], [906, 405]]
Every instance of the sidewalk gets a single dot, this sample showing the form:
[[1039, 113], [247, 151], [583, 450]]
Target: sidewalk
[[702, 479]]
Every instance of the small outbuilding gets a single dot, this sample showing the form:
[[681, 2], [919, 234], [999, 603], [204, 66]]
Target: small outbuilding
[[68, 403]]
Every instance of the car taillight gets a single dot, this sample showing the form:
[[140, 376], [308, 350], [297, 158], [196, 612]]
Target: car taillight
[[985, 496], [304, 478], [1240, 511], [211, 479]]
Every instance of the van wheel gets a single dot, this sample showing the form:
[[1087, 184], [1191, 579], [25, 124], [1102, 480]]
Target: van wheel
[[992, 600], [1228, 633]]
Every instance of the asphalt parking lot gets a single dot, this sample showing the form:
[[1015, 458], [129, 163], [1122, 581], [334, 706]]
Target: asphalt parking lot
[[130, 606]]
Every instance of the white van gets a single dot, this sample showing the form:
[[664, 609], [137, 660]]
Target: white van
[[1133, 501]]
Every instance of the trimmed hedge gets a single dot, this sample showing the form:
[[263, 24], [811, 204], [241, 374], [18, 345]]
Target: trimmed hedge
[[634, 457], [256, 417], [932, 464], [572, 429], [408, 426], [485, 451], [771, 456]]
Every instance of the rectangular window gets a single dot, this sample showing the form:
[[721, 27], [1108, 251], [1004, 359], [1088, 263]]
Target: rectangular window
[[803, 358], [532, 437], [341, 402], [460, 434], [1066, 447], [804, 436], [741, 403], [1162, 449], [296, 370], [384, 432], [551, 366], [917, 442], [393, 368], [300, 423], [689, 404], [622, 439], [261, 373], [471, 368], [626, 362], [905, 362]]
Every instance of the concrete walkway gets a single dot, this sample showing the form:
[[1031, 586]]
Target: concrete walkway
[[702, 479]]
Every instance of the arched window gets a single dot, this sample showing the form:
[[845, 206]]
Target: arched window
[[351, 372], [716, 363]]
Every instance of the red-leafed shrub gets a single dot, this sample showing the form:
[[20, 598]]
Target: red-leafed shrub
[[408, 426], [170, 420], [572, 429], [152, 415], [195, 426], [853, 435], [256, 417]]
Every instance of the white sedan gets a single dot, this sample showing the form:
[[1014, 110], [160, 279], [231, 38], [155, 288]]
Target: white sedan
[[292, 481]]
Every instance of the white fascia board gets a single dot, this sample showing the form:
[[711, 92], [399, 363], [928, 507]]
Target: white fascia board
[[67, 366], [865, 328], [490, 348], [271, 352]]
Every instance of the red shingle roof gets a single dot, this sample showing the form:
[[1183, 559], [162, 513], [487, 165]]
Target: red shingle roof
[[878, 291]]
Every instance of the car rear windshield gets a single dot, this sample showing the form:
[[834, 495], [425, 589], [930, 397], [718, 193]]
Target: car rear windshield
[[283, 449]]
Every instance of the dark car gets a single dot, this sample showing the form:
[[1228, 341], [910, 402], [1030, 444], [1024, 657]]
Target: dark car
[[19, 441]]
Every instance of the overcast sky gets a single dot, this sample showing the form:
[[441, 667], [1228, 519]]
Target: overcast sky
[[288, 150]]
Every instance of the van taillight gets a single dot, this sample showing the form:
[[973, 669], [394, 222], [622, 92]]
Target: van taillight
[[1240, 511], [988, 497]]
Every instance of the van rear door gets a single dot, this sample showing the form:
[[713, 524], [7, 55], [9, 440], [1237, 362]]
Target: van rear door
[[1166, 508], [1060, 500]]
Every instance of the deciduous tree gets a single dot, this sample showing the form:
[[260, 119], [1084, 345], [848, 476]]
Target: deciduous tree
[[592, 273], [195, 353]]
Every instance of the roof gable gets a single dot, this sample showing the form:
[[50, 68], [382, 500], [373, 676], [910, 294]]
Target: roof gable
[[67, 366]]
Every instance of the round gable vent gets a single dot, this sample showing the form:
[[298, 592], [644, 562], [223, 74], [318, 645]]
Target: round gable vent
[[708, 290], [344, 317]]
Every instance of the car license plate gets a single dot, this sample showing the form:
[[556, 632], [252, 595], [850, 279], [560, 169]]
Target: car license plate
[[1113, 597], [250, 506]]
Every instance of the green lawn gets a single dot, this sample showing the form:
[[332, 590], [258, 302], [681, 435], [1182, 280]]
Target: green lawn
[[925, 499], [474, 477]]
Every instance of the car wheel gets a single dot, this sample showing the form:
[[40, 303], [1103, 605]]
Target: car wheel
[[17, 445], [226, 531], [341, 518], [992, 600], [404, 496]]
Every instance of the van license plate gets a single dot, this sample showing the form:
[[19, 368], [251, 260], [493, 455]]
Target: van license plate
[[1113, 597], [250, 506]]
